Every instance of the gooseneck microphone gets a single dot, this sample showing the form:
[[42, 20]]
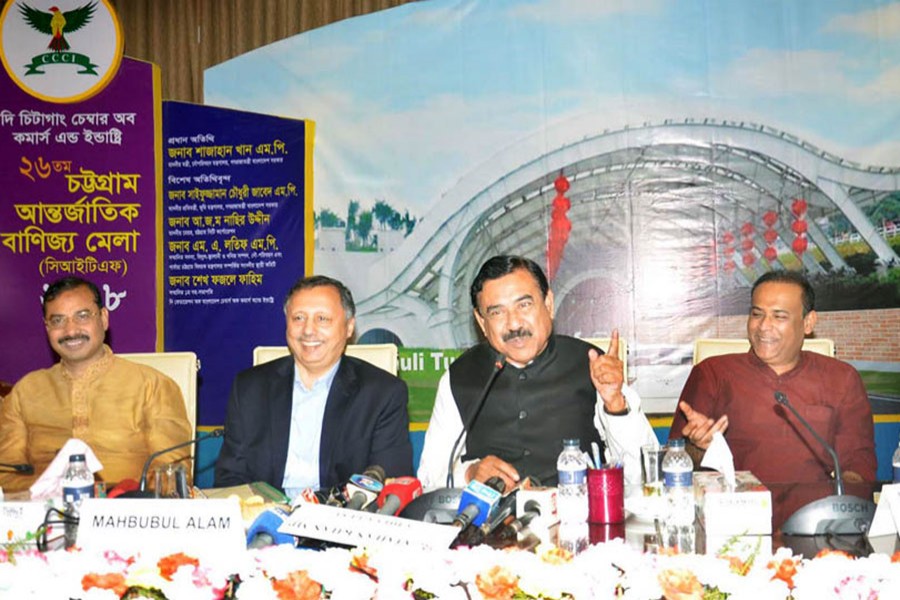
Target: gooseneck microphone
[[142, 492], [21, 468], [836, 514], [498, 367], [782, 399]]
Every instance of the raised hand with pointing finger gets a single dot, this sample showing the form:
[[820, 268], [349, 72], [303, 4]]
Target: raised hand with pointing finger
[[608, 376], [700, 428]]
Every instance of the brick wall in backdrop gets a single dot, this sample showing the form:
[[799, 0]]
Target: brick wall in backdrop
[[872, 335]]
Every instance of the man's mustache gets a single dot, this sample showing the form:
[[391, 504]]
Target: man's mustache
[[516, 333], [73, 338]]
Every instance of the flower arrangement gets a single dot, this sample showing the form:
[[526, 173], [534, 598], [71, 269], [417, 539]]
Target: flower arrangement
[[609, 570]]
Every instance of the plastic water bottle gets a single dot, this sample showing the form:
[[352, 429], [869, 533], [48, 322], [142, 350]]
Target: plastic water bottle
[[77, 484], [678, 482], [896, 463], [571, 497]]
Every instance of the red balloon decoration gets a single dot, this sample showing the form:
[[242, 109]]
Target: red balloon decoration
[[799, 227], [770, 254], [770, 218], [770, 235], [799, 207], [561, 184], [747, 244], [729, 266], [749, 259], [728, 237], [800, 245], [747, 228], [728, 251]]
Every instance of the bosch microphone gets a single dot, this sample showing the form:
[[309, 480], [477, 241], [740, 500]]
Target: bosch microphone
[[498, 367], [21, 468], [397, 494], [363, 490], [142, 492], [836, 514]]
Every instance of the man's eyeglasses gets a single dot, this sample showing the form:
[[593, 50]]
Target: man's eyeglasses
[[82, 317]]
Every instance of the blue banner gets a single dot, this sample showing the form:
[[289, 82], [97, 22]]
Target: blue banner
[[237, 233]]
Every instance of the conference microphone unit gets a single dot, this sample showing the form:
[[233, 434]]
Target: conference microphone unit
[[835, 514], [397, 494], [21, 468], [499, 363], [363, 489], [142, 492]]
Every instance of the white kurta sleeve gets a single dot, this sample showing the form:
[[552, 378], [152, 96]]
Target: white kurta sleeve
[[624, 435], [443, 429]]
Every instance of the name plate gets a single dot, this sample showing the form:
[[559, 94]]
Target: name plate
[[164, 526], [18, 519], [358, 528]]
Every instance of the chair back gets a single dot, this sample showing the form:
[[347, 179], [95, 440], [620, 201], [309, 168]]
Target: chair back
[[380, 355], [182, 367], [603, 343], [706, 347]]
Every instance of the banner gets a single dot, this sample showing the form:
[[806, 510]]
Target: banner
[[79, 196], [654, 157], [237, 234]]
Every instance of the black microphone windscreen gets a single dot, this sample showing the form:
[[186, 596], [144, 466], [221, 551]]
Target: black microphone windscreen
[[376, 472]]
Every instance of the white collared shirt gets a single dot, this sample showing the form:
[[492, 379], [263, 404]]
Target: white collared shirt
[[301, 470]]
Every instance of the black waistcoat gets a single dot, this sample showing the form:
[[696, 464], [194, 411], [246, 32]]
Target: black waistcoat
[[528, 411]]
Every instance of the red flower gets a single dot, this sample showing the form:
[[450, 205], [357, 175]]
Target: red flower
[[785, 571], [105, 581], [497, 584], [680, 584], [297, 586], [168, 565]]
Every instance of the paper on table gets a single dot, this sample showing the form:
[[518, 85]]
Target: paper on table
[[718, 457], [49, 484]]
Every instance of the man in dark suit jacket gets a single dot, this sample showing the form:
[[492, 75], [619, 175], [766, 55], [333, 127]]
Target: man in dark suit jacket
[[364, 419]]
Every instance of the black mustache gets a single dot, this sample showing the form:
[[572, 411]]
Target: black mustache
[[72, 338], [516, 333]]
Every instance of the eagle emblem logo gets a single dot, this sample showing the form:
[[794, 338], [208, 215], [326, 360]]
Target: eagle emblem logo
[[57, 24]]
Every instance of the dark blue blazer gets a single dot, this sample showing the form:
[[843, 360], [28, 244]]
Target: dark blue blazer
[[366, 423]]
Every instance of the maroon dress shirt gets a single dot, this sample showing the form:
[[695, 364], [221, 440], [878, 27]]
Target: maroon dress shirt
[[765, 437]]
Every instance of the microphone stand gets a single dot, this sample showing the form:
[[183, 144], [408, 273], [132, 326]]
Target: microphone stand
[[23, 469], [836, 514], [440, 505], [142, 492]]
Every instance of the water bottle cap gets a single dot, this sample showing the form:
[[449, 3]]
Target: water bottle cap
[[569, 442], [676, 443], [76, 458]]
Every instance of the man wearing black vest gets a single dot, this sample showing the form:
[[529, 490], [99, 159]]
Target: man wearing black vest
[[550, 387]]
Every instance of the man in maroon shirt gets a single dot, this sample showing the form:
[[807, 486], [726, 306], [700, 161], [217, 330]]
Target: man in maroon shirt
[[735, 394]]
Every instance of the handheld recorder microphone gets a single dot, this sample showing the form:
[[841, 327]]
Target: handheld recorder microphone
[[397, 494], [363, 490], [836, 514]]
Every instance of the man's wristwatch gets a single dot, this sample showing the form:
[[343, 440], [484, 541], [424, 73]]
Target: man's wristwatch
[[618, 413]]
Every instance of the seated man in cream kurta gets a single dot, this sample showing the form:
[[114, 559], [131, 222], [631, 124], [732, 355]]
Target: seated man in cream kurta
[[122, 410]]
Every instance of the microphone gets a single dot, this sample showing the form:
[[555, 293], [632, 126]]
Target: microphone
[[363, 490], [397, 494], [498, 367], [142, 492], [836, 514], [532, 509], [478, 501], [21, 468], [264, 530]]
